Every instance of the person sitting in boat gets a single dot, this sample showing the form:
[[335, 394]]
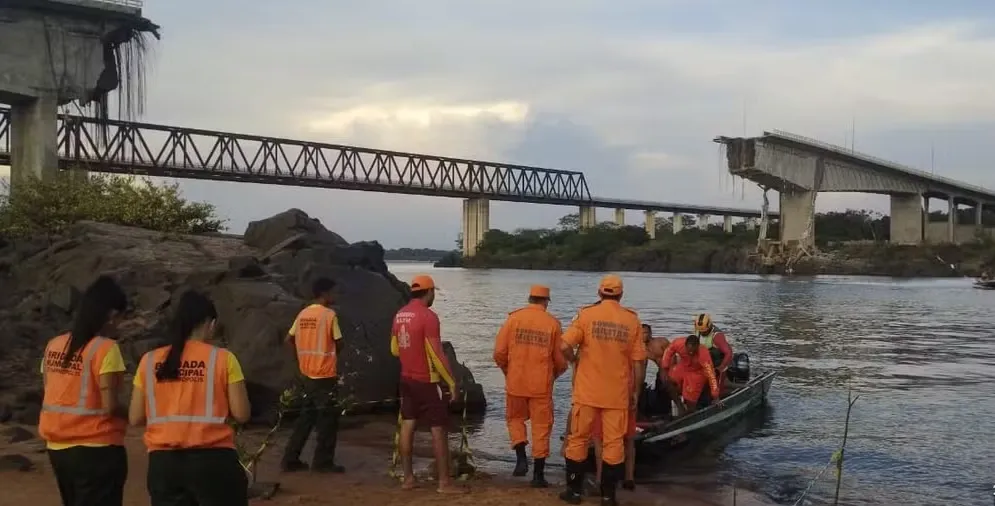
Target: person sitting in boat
[[715, 342], [986, 275], [687, 379]]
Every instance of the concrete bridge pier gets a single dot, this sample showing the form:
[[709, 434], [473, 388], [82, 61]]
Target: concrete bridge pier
[[907, 218], [727, 224], [678, 223], [476, 223], [979, 213], [620, 217], [33, 135], [951, 220], [651, 224], [798, 218], [588, 218], [703, 221]]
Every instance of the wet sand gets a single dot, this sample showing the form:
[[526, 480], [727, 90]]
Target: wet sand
[[365, 449]]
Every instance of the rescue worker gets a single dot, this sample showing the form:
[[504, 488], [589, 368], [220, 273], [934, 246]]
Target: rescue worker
[[317, 340], [416, 339], [606, 386], [714, 341], [82, 421], [694, 369], [184, 394], [526, 351]]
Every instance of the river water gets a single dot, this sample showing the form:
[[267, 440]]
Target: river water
[[920, 353]]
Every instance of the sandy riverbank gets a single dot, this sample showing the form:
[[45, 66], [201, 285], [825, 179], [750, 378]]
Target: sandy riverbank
[[365, 450]]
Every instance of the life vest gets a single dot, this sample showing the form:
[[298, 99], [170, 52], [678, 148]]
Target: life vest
[[71, 411], [707, 340], [315, 342], [191, 411]]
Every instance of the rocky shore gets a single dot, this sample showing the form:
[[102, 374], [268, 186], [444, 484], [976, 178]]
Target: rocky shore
[[258, 281]]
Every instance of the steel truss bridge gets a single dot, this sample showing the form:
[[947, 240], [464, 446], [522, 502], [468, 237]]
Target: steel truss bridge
[[123, 147]]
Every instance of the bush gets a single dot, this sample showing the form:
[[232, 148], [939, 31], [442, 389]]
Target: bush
[[51, 206]]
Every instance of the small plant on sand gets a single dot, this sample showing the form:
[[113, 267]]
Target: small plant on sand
[[52, 205]]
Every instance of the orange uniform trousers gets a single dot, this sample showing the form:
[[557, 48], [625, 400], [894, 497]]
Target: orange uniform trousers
[[538, 410], [690, 382], [613, 429]]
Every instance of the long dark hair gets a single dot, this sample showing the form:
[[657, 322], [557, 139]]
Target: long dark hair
[[100, 298], [194, 310]]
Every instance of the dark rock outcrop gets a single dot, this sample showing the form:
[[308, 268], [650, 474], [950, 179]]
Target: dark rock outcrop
[[258, 285]]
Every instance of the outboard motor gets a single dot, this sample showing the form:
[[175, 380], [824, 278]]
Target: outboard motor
[[739, 370]]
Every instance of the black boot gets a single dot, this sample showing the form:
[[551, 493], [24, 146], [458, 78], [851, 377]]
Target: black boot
[[610, 475], [538, 474], [575, 483], [522, 461]]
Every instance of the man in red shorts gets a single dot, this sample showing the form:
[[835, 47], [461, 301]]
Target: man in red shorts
[[416, 339], [694, 369]]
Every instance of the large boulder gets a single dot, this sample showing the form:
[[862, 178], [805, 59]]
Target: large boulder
[[258, 285]]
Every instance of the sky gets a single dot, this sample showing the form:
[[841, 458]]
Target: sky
[[631, 93]]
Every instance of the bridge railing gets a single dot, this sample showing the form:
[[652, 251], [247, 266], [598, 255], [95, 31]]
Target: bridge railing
[[160, 150], [881, 161]]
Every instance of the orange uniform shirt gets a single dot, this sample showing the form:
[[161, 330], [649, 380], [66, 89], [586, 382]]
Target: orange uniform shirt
[[192, 411], [72, 413], [315, 331], [527, 350], [416, 338], [700, 363], [610, 339]]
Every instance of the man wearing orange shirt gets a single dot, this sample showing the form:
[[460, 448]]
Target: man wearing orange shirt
[[693, 370], [526, 351], [606, 386], [416, 339]]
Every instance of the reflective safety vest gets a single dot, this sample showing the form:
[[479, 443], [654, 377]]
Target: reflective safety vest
[[191, 411], [315, 342], [71, 411]]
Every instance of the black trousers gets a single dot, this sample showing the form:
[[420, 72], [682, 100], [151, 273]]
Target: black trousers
[[90, 476], [197, 477], [319, 412]]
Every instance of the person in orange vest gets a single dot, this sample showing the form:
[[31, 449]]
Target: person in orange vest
[[416, 339], [693, 371], [526, 351], [184, 394], [82, 421], [317, 339], [606, 386]]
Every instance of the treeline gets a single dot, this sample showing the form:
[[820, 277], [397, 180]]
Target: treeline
[[415, 254]]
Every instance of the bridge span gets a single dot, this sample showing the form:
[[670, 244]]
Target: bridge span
[[124, 147]]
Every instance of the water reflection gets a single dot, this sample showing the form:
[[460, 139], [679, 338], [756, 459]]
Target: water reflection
[[920, 353]]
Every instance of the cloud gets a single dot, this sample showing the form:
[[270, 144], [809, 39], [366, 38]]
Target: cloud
[[631, 94]]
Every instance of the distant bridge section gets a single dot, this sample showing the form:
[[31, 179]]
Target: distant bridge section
[[800, 167], [146, 149]]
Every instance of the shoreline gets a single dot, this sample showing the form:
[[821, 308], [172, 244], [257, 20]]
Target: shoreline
[[365, 449]]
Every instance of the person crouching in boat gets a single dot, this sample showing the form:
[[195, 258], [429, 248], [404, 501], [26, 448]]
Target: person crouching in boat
[[715, 342], [687, 379], [184, 394], [527, 352]]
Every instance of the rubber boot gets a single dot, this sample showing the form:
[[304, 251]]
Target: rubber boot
[[575, 483], [538, 474], [609, 480], [522, 461]]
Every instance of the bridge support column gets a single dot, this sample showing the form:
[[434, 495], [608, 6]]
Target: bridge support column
[[703, 221], [798, 218], [34, 140], [678, 223], [979, 213], [651, 224], [620, 217], [588, 218], [951, 220], [906, 218], [476, 223], [727, 224], [751, 224]]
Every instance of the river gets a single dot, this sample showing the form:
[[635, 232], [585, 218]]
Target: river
[[920, 353]]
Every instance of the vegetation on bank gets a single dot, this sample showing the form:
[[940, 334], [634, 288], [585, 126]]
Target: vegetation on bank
[[850, 242], [415, 254], [50, 206]]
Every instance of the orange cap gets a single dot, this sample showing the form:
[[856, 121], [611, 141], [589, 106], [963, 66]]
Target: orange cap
[[610, 285], [422, 282], [539, 291]]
